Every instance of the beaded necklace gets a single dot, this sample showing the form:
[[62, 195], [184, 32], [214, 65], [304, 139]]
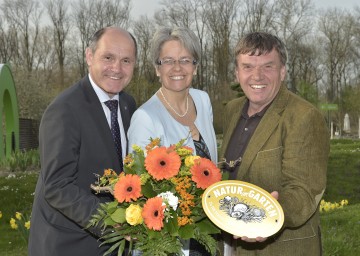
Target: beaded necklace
[[179, 115]]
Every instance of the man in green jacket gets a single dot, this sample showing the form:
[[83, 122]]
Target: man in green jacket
[[279, 142]]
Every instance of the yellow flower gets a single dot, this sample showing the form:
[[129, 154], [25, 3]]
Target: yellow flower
[[327, 206], [18, 215], [189, 160], [133, 214], [129, 161], [27, 224], [344, 202], [153, 144], [0, 214], [13, 223], [137, 148]]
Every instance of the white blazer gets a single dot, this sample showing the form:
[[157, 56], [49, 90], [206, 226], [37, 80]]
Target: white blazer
[[153, 120]]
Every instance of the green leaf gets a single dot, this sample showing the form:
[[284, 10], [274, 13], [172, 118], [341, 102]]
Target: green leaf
[[187, 231], [116, 245], [225, 176], [108, 221], [148, 190], [119, 215], [112, 239], [111, 207], [138, 166], [207, 227], [154, 234], [172, 225], [121, 247]]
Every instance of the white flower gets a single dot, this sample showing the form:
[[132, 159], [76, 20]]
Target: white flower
[[169, 199]]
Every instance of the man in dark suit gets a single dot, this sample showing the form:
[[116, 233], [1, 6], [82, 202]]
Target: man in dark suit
[[279, 142], [76, 143]]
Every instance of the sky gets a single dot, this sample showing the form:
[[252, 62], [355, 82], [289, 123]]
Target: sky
[[142, 7]]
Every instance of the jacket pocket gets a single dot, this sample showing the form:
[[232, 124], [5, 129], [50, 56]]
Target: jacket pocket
[[265, 170], [306, 231]]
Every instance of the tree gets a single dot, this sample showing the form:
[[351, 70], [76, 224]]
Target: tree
[[291, 22], [57, 11], [92, 15], [220, 17], [255, 15], [8, 43], [24, 17], [145, 79], [337, 27]]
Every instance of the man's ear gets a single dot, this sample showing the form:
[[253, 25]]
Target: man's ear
[[283, 73], [89, 56]]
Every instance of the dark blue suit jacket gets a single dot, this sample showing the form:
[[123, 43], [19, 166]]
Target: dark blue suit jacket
[[75, 144]]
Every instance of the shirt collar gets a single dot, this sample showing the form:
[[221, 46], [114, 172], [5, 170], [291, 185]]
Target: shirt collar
[[103, 96], [245, 115]]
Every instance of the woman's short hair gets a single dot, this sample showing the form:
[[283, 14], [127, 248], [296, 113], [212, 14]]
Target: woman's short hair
[[259, 43], [184, 35]]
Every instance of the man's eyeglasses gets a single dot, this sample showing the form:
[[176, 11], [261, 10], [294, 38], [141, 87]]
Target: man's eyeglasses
[[171, 62]]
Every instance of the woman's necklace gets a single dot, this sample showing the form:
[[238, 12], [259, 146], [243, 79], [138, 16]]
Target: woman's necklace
[[187, 105]]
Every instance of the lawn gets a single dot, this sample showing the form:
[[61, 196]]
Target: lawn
[[344, 171], [340, 227], [341, 231], [17, 193]]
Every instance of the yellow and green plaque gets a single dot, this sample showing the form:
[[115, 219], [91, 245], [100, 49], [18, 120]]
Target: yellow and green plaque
[[242, 209]]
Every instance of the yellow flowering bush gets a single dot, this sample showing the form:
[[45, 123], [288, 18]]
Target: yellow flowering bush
[[328, 206], [21, 223]]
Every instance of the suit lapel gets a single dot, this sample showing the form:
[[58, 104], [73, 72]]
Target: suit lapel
[[125, 115], [124, 110], [265, 129], [99, 119]]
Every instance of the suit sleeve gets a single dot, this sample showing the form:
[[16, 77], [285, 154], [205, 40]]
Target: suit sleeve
[[304, 167], [60, 142]]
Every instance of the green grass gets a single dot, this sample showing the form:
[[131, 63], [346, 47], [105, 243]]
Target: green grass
[[17, 194], [341, 231], [340, 228], [344, 172]]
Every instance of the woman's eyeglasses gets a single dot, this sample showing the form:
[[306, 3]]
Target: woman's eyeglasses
[[171, 62]]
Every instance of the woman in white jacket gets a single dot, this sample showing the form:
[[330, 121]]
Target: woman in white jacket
[[176, 111]]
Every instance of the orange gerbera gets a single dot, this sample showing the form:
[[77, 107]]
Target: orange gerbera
[[153, 213], [162, 163], [204, 173], [127, 188]]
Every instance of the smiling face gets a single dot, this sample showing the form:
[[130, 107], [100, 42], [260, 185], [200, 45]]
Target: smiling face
[[111, 65], [260, 78], [175, 77]]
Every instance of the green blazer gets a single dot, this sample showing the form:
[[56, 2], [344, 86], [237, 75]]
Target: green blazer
[[288, 153]]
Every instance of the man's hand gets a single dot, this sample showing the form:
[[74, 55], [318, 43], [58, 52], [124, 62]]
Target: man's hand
[[259, 239]]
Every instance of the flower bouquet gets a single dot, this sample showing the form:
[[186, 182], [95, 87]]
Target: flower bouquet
[[157, 201]]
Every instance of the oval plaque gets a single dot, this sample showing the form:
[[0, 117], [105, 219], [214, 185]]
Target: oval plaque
[[242, 209]]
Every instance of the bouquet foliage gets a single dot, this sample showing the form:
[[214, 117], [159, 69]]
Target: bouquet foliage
[[157, 201]]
